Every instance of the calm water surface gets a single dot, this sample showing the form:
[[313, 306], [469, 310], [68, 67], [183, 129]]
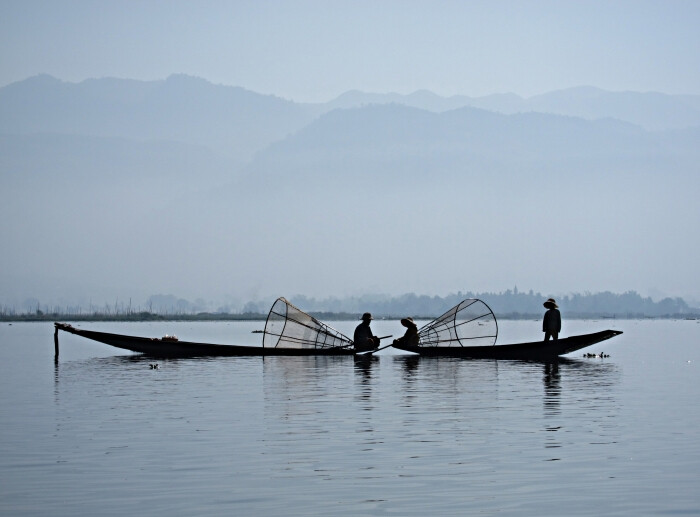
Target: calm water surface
[[100, 433]]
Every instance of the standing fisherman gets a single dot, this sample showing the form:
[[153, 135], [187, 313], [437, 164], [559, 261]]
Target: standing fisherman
[[551, 324], [364, 339]]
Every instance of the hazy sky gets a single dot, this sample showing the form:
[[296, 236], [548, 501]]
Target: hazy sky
[[314, 50]]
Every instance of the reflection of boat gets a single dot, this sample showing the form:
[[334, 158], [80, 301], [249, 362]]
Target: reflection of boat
[[288, 331], [470, 330]]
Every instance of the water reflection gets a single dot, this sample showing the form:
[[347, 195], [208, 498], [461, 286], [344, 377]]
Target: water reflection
[[590, 374], [481, 394], [452, 375], [552, 389], [587, 383], [299, 386], [307, 404], [410, 365], [240, 436], [409, 369], [363, 370], [551, 402], [108, 377], [363, 367], [297, 372], [455, 374]]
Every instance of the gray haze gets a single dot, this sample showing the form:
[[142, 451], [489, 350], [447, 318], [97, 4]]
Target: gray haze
[[315, 50], [116, 189], [112, 190]]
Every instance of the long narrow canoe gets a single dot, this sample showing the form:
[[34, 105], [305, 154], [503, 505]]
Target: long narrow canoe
[[469, 329], [537, 350], [170, 347]]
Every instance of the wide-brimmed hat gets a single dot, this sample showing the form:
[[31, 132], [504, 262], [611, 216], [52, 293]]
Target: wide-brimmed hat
[[551, 304], [366, 316], [407, 322]]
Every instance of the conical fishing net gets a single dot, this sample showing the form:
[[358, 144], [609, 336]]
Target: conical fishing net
[[469, 323], [289, 327]]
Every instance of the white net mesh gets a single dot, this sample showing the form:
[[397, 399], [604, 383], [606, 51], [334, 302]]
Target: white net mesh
[[469, 323], [289, 327]]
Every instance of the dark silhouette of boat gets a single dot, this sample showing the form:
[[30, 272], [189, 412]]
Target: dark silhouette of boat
[[288, 331], [535, 351], [168, 346], [469, 329]]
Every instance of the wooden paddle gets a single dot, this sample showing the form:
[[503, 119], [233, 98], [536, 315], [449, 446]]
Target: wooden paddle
[[356, 353], [370, 352]]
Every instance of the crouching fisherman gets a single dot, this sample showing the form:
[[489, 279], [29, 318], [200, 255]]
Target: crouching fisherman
[[410, 337], [363, 339]]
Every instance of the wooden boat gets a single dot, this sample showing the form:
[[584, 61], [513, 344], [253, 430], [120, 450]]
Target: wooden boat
[[536, 351], [288, 331], [467, 330], [168, 347], [470, 330]]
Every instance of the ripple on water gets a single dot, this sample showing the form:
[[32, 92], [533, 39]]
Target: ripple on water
[[317, 436]]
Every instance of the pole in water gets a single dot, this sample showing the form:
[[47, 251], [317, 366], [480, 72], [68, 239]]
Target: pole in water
[[55, 341]]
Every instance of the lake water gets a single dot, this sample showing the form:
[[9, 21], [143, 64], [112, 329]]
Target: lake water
[[101, 433]]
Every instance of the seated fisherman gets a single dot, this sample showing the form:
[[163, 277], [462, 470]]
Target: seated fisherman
[[363, 339], [411, 335]]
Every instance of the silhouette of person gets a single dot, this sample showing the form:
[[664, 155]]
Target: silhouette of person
[[410, 337], [363, 338], [551, 324]]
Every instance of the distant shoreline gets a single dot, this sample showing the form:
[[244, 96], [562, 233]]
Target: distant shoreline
[[325, 316]]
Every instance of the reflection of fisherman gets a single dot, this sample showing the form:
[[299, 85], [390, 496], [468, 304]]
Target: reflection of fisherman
[[551, 324], [364, 339], [410, 338]]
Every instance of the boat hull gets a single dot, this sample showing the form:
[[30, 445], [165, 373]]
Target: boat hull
[[537, 350], [156, 347]]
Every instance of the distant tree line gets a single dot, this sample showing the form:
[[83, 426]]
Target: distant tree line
[[510, 304]]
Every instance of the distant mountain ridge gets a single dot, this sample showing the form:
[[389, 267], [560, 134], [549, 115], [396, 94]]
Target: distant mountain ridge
[[137, 186], [230, 120], [239, 122], [652, 111], [392, 142]]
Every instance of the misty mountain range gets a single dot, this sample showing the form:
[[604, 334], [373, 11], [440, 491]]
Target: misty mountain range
[[238, 123], [116, 187]]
